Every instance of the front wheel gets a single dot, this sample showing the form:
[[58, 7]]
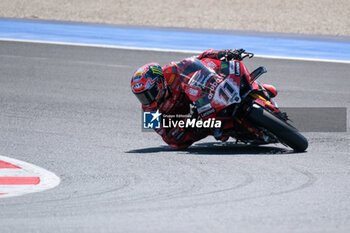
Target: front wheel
[[283, 131]]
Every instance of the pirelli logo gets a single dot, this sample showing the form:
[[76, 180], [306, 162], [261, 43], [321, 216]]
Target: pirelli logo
[[235, 68]]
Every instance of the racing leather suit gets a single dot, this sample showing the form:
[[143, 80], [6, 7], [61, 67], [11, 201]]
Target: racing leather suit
[[178, 103]]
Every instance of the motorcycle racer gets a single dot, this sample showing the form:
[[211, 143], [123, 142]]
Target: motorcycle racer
[[160, 89]]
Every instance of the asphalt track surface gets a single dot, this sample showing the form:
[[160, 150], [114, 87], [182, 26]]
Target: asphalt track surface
[[69, 109]]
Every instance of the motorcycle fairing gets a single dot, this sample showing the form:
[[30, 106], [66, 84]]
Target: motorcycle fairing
[[206, 88]]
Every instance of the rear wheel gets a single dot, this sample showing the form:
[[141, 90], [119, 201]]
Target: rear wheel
[[283, 131]]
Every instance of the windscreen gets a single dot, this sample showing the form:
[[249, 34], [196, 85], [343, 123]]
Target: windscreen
[[197, 76]]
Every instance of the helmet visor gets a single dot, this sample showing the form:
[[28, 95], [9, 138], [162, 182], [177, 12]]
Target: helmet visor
[[149, 96]]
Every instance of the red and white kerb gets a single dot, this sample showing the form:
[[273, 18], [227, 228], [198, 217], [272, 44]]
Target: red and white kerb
[[19, 178]]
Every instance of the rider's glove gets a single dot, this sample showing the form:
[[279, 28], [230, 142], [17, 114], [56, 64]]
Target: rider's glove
[[234, 54]]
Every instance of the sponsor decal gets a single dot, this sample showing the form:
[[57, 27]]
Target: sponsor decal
[[208, 112], [192, 91], [213, 85], [224, 69], [232, 67], [171, 79], [137, 78], [224, 65], [200, 79], [157, 70], [204, 108], [139, 73], [237, 69], [200, 102], [138, 85], [211, 64]]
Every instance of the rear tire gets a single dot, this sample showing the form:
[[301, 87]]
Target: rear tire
[[283, 131]]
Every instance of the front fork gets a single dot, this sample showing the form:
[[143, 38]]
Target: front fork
[[259, 97], [240, 111], [265, 102]]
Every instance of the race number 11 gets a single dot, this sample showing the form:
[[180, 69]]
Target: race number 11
[[227, 92]]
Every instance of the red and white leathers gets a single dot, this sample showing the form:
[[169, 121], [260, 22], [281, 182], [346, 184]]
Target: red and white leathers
[[178, 103]]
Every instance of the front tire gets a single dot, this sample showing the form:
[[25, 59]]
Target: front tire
[[283, 131]]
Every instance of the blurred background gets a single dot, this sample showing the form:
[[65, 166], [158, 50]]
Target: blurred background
[[324, 17]]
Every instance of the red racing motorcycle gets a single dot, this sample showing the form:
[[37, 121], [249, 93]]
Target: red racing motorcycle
[[227, 91]]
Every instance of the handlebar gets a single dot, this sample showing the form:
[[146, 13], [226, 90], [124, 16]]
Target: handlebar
[[237, 54], [243, 54], [246, 54]]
